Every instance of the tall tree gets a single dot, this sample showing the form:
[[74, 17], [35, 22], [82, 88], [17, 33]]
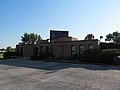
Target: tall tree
[[114, 37], [30, 38], [25, 38], [38, 39]]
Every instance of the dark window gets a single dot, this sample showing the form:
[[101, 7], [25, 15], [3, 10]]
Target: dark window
[[81, 49], [47, 49], [41, 48], [73, 50], [90, 46], [50, 49]]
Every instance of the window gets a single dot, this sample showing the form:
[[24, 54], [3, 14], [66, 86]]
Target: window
[[90, 46], [73, 50], [47, 49], [81, 49], [41, 48]]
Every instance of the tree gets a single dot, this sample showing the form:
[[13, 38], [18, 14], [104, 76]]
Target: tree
[[30, 38], [25, 38], [89, 37], [114, 37], [9, 49], [101, 37], [109, 37], [38, 39]]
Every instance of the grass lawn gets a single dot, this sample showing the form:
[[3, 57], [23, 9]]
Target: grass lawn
[[1, 56]]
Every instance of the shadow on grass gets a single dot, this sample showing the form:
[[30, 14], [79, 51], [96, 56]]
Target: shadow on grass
[[45, 65]]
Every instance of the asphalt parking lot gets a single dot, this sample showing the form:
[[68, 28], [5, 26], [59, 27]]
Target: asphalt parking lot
[[22, 74]]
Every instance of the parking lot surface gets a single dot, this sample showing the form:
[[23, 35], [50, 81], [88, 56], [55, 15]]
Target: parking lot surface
[[22, 74]]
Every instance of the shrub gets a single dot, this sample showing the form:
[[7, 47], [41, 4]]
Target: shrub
[[34, 57], [103, 56], [44, 55], [74, 57], [9, 54], [89, 56], [106, 56]]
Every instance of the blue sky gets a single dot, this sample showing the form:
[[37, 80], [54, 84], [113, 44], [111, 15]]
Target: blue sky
[[79, 17]]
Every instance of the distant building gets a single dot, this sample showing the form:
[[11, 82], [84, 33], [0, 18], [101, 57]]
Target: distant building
[[60, 45], [2, 50]]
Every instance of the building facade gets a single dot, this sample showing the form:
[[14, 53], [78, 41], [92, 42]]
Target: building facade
[[62, 46]]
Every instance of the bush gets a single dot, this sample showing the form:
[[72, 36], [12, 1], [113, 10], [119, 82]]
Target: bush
[[89, 56], [73, 57], [9, 55], [103, 56], [106, 56], [34, 57], [44, 55]]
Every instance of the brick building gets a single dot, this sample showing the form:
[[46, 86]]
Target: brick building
[[59, 45]]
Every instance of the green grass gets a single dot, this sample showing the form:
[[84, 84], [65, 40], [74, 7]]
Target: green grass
[[1, 56]]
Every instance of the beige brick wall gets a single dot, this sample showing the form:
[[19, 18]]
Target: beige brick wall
[[27, 50], [64, 49], [59, 48]]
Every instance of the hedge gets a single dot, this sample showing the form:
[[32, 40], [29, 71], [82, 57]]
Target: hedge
[[102, 56], [9, 55], [42, 55]]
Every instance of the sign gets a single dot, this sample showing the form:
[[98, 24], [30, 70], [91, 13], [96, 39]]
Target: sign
[[57, 34]]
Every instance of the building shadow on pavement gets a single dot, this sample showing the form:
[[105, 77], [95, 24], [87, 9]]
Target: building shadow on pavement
[[45, 65]]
